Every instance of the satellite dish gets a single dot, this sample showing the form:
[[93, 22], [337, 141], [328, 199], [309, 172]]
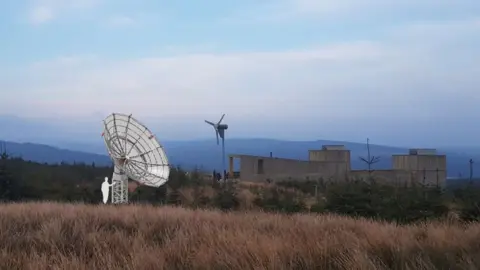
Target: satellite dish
[[136, 154]]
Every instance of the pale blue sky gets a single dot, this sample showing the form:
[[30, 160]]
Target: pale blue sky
[[401, 72]]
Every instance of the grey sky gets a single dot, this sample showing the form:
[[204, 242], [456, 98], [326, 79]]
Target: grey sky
[[414, 82]]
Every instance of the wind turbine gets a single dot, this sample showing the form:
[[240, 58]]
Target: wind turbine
[[220, 132]]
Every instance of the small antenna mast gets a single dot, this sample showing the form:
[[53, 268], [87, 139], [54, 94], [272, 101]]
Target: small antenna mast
[[370, 160]]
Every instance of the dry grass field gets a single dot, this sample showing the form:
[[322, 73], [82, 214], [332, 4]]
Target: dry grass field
[[65, 236]]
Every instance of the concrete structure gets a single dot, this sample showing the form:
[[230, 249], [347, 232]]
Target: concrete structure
[[422, 152], [424, 165], [331, 153], [332, 162], [257, 168]]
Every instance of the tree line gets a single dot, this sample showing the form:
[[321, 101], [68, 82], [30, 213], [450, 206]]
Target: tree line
[[22, 180]]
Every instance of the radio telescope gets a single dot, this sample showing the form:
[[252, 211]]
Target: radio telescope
[[136, 154]]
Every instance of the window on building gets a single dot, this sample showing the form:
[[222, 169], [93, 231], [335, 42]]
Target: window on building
[[260, 166]]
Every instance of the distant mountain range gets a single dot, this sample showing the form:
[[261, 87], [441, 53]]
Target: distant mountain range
[[207, 155], [48, 154]]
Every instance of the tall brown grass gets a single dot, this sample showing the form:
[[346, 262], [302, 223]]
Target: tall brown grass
[[66, 236]]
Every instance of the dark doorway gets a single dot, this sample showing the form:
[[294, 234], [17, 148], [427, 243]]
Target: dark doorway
[[260, 166]]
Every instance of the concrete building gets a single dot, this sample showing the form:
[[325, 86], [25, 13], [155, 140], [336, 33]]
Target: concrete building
[[425, 166], [333, 162], [331, 153], [258, 168]]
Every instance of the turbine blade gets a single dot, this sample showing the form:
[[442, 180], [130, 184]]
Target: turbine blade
[[221, 119], [218, 141], [208, 122]]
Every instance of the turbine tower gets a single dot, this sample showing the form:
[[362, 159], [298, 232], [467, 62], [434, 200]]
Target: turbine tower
[[220, 132]]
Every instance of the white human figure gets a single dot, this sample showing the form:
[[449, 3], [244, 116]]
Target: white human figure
[[105, 190]]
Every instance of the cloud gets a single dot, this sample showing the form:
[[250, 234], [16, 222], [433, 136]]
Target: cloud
[[365, 7], [41, 14], [120, 20], [63, 61], [43, 11], [275, 11], [184, 84], [416, 75]]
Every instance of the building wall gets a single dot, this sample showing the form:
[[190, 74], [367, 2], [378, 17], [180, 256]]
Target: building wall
[[341, 156], [430, 177], [425, 169], [402, 177], [279, 169], [335, 165], [414, 162]]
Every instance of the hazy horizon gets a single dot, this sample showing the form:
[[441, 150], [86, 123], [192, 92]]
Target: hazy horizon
[[403, 73], [50, 132]]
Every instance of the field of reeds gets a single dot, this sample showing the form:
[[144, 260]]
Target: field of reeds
[[75, 236]]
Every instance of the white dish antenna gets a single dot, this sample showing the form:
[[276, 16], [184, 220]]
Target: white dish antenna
[[136, 154]]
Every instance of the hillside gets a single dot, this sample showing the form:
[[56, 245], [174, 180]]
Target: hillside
[[48, 140], [250, 233], [49, 154], [206, 154]]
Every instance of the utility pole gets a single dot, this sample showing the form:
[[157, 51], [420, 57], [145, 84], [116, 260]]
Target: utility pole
[[471, 169], [3, 150], [424, 175], [424, 184]]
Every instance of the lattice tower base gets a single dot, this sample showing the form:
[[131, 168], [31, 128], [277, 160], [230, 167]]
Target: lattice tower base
[[120, 187]]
